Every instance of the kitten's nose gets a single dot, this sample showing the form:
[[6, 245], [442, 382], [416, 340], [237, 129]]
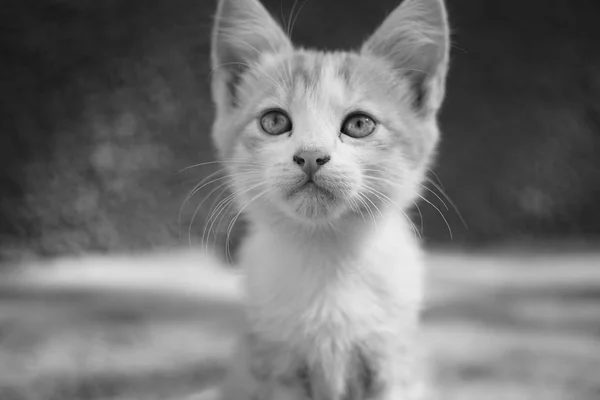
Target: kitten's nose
[[311, 161]]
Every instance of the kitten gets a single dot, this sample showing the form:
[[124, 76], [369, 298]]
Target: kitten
[[326, 150]]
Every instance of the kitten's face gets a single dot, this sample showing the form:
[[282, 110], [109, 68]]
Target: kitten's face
[[348, 111], [316, 136]]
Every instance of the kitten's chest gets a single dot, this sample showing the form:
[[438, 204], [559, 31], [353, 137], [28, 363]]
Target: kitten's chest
[[321, 323], [311, 300], [327, 311], [300, 306]]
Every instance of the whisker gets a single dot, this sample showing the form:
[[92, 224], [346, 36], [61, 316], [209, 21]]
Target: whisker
[[235, 218], [423, 198], [282, 15], [371, 201], [386, 200], [224, 188], [289, 19], [441, 214], [221, 207], [222, 185], [192, 193], [379, 194], [291, 28], [196, 212], [203, 184], [355, 206], [225, 161], [443, 192], [196, 166], [361, 199], [436, 177], [436, 195], [420, 215]]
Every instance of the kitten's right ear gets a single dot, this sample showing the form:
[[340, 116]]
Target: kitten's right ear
[[242, 33], [415, 40]]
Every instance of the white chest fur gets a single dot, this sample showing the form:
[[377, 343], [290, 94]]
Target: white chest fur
[[321, 296]]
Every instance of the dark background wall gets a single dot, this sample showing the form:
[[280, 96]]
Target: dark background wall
[[101, 103]]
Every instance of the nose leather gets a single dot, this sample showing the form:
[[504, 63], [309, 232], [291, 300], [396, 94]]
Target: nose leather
[[311, 161]]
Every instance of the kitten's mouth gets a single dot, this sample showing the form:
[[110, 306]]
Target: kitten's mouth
[[312, 189], [308, 184], [312, 199]]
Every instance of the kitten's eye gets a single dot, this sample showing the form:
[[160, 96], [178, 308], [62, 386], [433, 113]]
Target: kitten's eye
[[275, 122], [358, 126]]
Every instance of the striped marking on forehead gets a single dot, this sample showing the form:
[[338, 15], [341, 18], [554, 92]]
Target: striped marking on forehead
[[306, 73], [305, 69]]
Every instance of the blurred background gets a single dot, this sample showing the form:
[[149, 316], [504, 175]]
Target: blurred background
[[103, 103]]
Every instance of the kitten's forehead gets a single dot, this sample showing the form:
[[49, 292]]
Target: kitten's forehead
[[311, 68], [337, 77]]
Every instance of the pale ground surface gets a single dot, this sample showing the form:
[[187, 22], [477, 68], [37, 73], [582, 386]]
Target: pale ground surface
[[505, 325]]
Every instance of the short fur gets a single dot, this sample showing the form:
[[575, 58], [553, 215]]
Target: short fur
[[334, 277]]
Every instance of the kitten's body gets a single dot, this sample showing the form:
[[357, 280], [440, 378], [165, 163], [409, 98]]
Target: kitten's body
[[334, 302], [325, 150]]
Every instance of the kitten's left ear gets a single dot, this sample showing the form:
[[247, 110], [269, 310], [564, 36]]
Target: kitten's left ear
[[243, 31], [415, 40]]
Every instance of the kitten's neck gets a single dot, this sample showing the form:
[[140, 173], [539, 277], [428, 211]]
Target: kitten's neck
[[293, 265], [350, 235], [349, 228]]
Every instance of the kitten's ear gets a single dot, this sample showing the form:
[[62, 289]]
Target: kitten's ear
[[415, 39], [243, 31]]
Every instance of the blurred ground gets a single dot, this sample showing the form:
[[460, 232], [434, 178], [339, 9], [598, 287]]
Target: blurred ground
[[505, 325]]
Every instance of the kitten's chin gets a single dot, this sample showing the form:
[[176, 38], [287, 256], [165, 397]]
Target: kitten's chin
[[313, 204]]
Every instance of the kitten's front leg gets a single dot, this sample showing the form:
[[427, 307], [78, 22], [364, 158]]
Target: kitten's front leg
[[404, 383], [380, 376], [280, 376], [365, 380], [264, 371]]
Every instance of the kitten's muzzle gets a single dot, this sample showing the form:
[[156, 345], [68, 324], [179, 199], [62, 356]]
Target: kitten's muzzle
[[310, 161]]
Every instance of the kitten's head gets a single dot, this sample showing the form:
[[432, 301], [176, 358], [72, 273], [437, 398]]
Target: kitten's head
[[314, 136]]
